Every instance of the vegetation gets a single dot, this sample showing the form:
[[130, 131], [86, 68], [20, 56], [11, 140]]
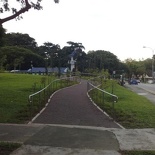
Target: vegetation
[[19, 58], [16, 46], [99, 59], [138, 68], [20, 51], [24, 7], [131, 110], [6, 148], [52, 55], [137, 152], [14, 92]]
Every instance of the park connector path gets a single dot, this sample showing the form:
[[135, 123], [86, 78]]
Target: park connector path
[[72, 106], [72, 124]]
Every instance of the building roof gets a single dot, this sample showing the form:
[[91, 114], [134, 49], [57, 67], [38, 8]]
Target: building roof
[[50, 70]]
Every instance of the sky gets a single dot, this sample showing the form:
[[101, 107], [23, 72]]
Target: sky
[[121, 27]]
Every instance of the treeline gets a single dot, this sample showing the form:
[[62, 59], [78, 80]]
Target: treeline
[[20, 51]]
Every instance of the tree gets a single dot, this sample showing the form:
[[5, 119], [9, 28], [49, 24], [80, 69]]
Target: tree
[[49, 52], [74, 45], [148, 66], [17, 56], [2, 34], [18, 62], [76, 50], [25, 5], [20, 40], [3, 61], [101, 59]]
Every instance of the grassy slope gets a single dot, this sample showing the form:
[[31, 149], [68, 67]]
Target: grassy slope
[[6, 148], [14, 92], [137, 152], [131, 110]]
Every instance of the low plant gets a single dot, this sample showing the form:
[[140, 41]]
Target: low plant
[[6, 147], [131, 110], [14, 92], [137, 152]]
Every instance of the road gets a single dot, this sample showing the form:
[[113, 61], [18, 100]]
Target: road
[[147, 90]]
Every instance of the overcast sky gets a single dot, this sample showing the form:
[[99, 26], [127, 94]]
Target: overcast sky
[[121, 27]]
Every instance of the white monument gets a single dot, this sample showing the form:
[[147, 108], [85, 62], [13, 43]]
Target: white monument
[[72, 61]]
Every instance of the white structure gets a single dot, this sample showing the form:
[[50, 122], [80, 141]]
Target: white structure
[[72, 62]]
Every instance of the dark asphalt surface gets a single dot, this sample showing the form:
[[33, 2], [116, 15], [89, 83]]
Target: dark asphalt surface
[[71, 106]]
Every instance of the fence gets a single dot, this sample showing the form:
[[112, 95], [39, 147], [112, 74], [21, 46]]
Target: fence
[[100, 96], [38, 100]]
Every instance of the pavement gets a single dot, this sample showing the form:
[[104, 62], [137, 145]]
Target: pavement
[[72, 106], [51, 134], [41, 139]]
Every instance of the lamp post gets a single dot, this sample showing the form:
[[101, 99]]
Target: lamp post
[[152, 61]]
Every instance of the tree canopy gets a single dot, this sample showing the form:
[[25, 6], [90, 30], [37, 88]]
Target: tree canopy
[[25, 5], [103, 60], [20, 50], [13, 57], [21, 40]]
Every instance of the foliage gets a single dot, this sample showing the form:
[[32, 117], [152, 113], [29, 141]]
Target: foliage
[[7, 147], [19, 57], [2, 34], [131, 110], [53, 56], [14, 91], [24, 6], [137, 68], [50, 52], [2, 61], [20, 40], [76, 50], [149, 152], [103, 60]]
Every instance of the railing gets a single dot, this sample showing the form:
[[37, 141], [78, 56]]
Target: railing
[[100, 96], [39, 99]]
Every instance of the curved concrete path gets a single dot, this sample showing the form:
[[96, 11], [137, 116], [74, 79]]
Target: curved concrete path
[[71, 106]]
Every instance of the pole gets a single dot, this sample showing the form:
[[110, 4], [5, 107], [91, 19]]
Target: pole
[[153, 65]]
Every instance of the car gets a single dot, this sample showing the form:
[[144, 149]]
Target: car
[[14, 71], [150, 81], [138, 80], [134, 82]]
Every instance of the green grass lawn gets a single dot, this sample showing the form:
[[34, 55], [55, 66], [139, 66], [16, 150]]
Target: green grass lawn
[[14, 92], [137, 152], [131, 110], [7, 147]]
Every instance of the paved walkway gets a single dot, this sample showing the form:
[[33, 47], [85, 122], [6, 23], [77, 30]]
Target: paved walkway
[[71, 124], [41, 139], [71, 106]]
